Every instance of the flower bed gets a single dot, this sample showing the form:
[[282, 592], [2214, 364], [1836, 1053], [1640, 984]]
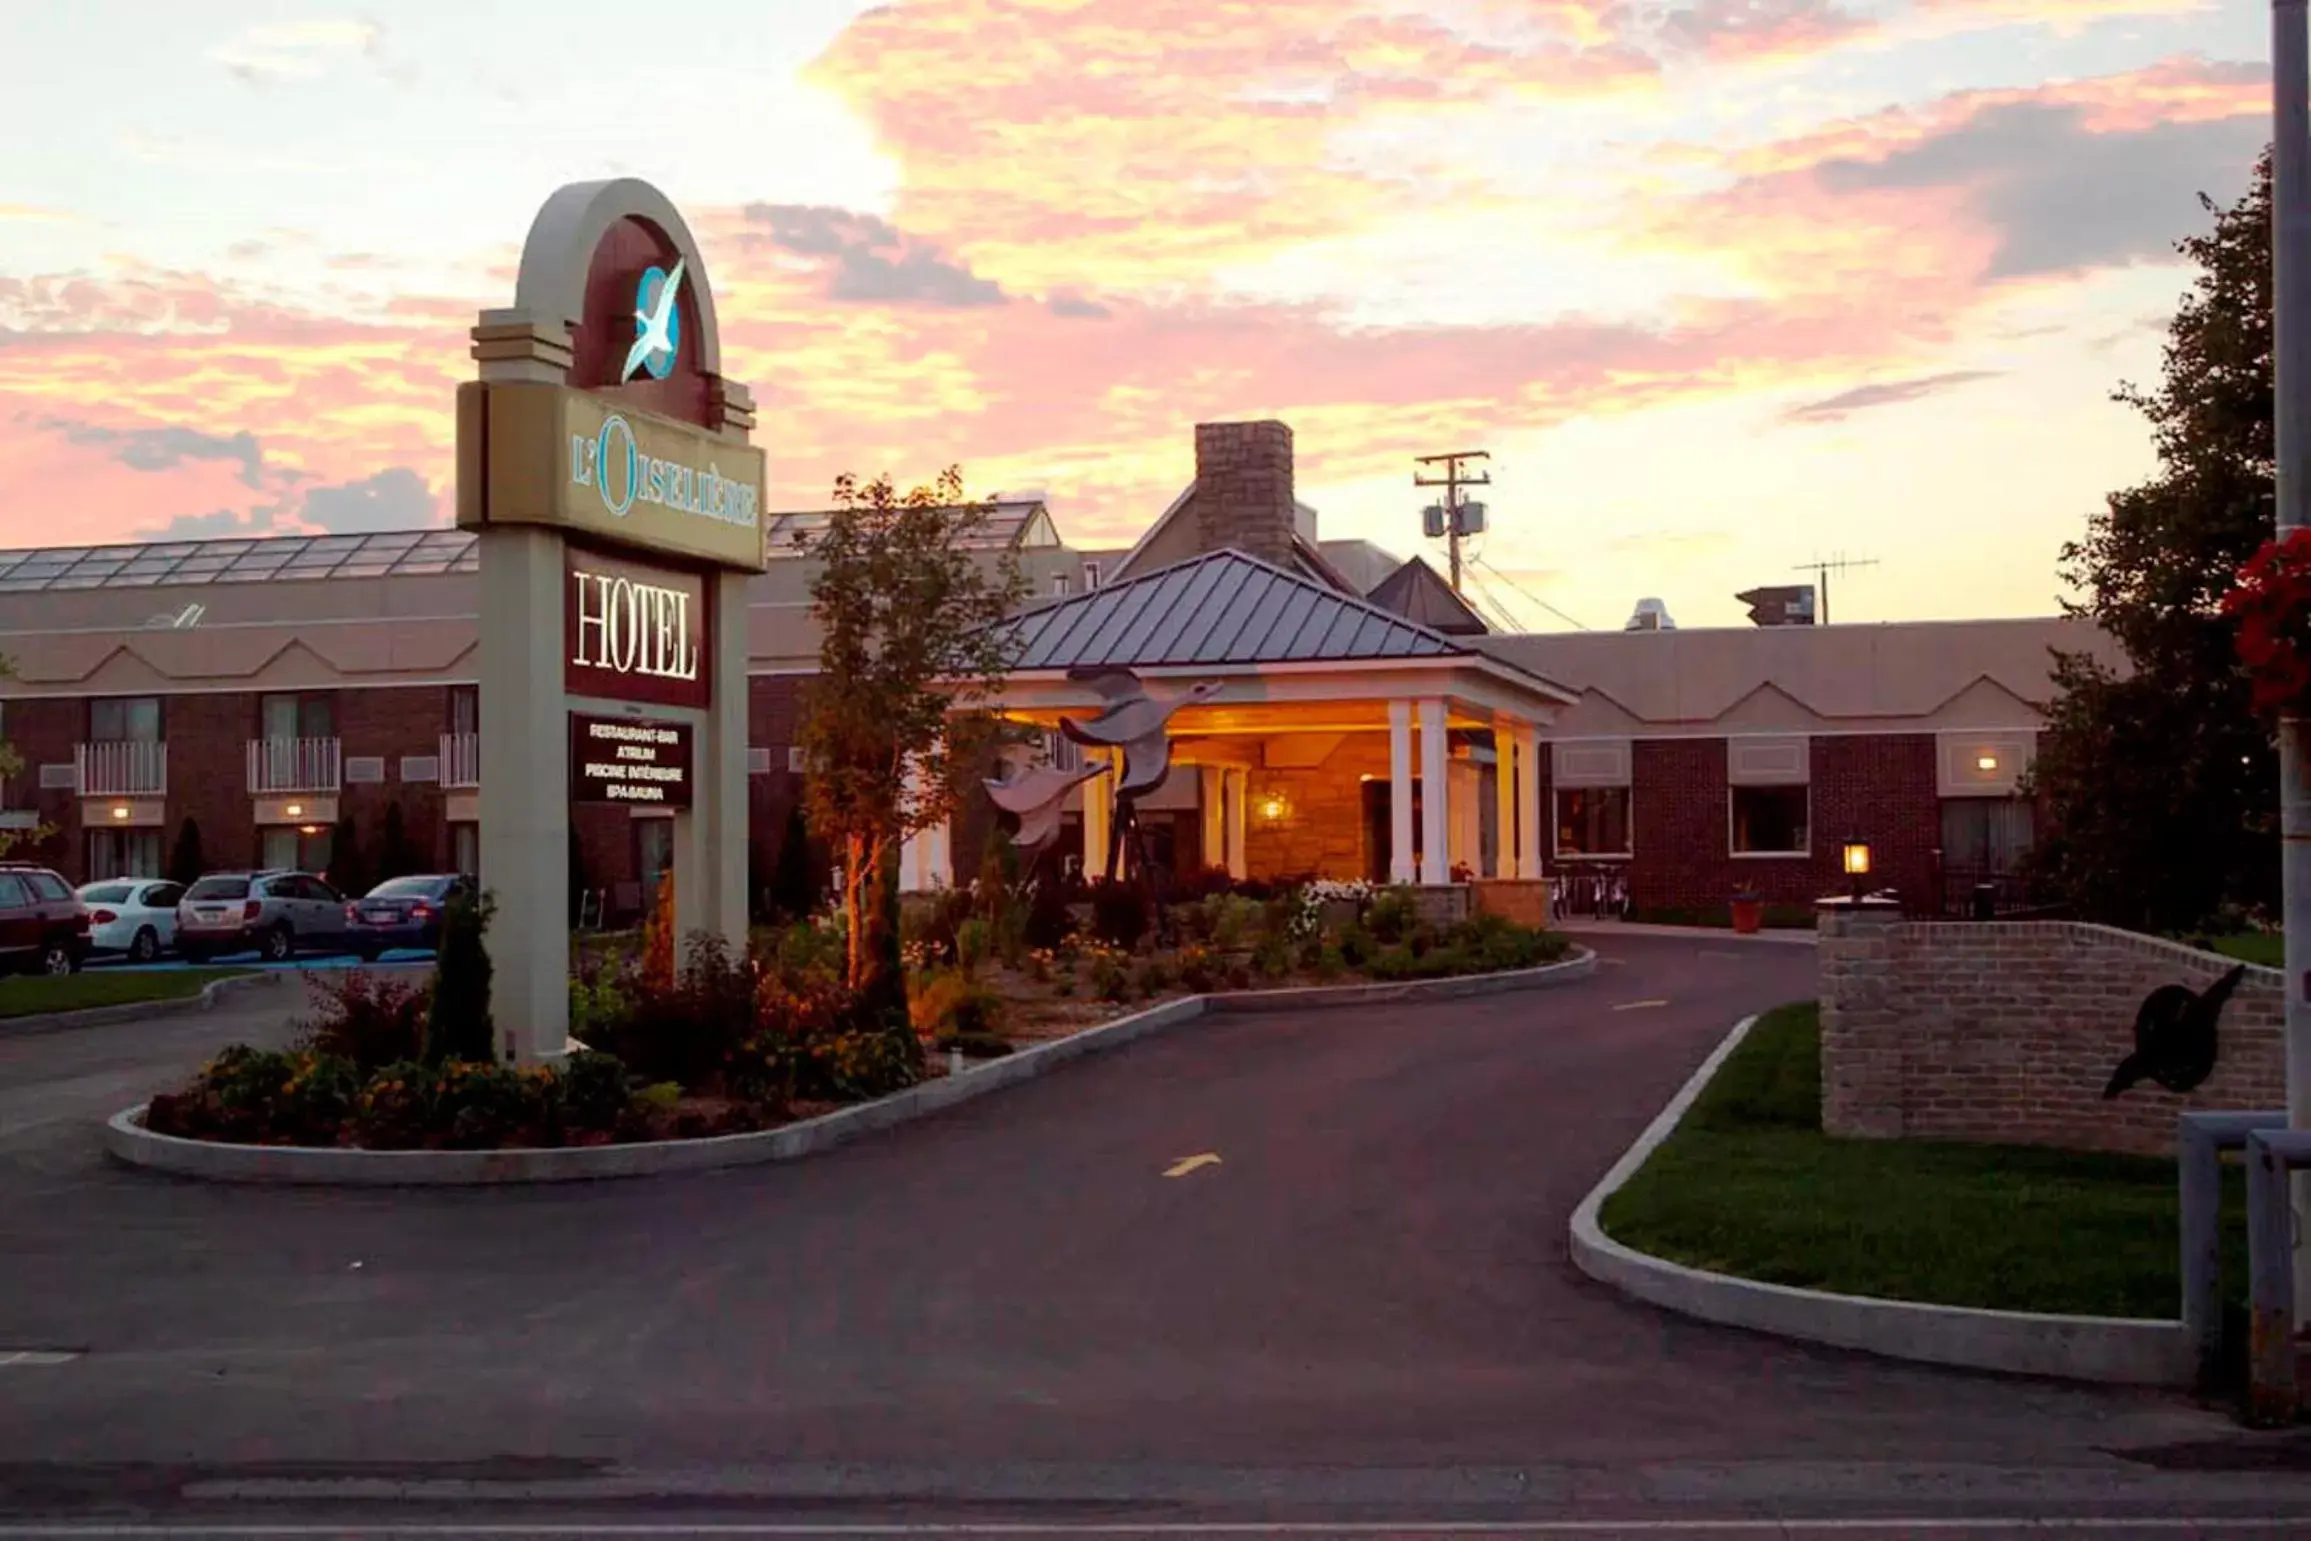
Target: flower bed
[[736, 1044]]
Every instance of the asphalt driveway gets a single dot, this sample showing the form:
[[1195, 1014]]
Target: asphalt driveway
[[1372, 1277]]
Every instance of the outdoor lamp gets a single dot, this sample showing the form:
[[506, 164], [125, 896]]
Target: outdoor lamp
[[1857, 860], [1986, 762], [119, 812], [1271, 808], [295, 810]]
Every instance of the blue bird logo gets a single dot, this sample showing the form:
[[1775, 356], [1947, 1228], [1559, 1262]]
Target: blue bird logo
[[657, 324]]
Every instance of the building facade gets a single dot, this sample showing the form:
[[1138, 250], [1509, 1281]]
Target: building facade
[[273, 695]]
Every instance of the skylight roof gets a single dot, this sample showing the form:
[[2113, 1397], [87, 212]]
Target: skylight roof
[[274, 559]]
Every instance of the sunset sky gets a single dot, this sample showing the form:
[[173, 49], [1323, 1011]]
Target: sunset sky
[[1723, 286]]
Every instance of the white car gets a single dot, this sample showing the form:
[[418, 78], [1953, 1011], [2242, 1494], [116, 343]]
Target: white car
[[132, 916]]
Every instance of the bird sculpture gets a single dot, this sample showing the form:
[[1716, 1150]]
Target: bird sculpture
[[1038, 795], [1132, 723], [2174, 1036]]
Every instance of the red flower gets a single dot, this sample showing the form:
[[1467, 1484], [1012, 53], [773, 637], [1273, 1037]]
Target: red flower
[[2272, 603]]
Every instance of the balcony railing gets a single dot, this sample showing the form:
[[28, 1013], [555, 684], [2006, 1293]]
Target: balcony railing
[[122, 767], [294, 765], [461, 759]]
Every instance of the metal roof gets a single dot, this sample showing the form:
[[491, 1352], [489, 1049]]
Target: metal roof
[[270, 559], [1221, 607], [1024, 524]]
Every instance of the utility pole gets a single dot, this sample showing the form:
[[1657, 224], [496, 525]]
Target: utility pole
[[1821, 569], [2290, 292], [1452, 481]]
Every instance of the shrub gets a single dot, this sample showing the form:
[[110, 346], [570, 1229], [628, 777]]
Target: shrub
[[1048, 922], [1273, 957], [366, 1018], [854, 1065], [1154, 977], [1231, 920], [1119, 913], [1391, 914], [593, 1091], [482, 1105], [954, 1003], [1196, 970], [314, 1103], [687, 1033], [395, 1110], [601, 1008], [458, 1025], [1110, 980], [974, 942], [1392, 963], [1328, 964], [1239, 975], [1356, 946]]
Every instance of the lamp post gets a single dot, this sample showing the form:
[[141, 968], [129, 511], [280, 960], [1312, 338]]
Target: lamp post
[[1857, 863], [2291, 367]]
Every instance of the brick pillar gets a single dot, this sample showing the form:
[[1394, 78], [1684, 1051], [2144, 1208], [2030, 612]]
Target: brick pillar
[[1861, 1047], [1244, 489]]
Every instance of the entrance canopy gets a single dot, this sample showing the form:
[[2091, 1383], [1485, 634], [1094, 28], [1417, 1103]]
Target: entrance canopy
[[1320, 697]]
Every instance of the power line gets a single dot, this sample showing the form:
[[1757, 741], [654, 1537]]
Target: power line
[[1578, 625]]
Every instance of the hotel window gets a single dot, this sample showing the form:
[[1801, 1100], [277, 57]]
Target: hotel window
[[1592, 821], [294, 848], [1090, 575], [1771, 821], [121, 719], [296, 716], [465, 709], [123, 853], [1059, 585]]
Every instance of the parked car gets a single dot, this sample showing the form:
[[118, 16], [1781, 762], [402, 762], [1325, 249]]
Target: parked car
[[277, 913], [135, 917], [404, 912], [43, 927]]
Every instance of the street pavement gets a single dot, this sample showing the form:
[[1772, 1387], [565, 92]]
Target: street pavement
[[1362, 1312]]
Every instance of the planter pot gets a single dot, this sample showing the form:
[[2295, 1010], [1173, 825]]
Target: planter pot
[[1748, 916], [1338, 914]]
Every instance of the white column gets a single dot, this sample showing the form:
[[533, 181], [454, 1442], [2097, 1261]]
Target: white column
[[1238, 786], [1528, 801], [1464, 828], [710, 837], [1435, 795], [1505, 802], [1212, 806], [1098, 806], [525, 790], [1400, 791]]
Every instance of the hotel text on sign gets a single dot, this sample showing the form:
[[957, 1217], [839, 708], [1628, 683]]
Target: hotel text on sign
[[634, 633], [625, 760]]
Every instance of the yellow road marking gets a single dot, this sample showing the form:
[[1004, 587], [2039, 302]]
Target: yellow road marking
[[1187, 1164], [1638, 1005]]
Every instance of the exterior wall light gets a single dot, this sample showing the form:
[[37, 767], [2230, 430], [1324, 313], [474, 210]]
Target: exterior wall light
[[295, 810], [1986, 762], [120, 810], [1271, 808], [1857, 864]]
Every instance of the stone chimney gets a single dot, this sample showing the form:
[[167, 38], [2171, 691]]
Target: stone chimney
[[1244, 489]]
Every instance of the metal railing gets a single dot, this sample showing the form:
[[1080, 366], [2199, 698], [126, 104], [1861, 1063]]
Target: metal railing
[[121, 767], [461, 759], [295, 765], [1589, 892]]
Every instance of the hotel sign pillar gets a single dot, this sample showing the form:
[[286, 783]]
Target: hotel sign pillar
[[604, 462]]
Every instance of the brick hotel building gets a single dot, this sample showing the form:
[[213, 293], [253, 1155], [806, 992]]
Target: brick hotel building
[[265, 689]]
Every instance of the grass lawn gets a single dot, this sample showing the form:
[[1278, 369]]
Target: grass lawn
[[1750, 1185], [2268, 948], [35, 993]]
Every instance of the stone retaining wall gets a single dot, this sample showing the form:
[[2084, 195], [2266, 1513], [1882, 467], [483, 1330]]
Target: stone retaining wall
[[2008, 1031]]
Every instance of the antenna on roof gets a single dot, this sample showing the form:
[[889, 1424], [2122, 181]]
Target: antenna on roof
[[1822, 568]]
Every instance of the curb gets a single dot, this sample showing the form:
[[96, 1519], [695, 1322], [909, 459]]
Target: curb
[[2111, 1350], [129, 1141], [135, 1011], [1784, 936]]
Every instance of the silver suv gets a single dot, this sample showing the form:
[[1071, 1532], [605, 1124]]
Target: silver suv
[[276, 913]]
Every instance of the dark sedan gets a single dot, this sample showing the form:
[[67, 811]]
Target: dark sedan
[[403, 912]]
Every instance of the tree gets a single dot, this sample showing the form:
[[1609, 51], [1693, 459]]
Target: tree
[[11, 766], [793, 893], [397, 854], [186, 864], [458, 1025], [911, 641], [2161, 783], [348, 864]]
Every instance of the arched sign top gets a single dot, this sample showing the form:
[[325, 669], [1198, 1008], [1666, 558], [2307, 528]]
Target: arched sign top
[[558, 254]]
